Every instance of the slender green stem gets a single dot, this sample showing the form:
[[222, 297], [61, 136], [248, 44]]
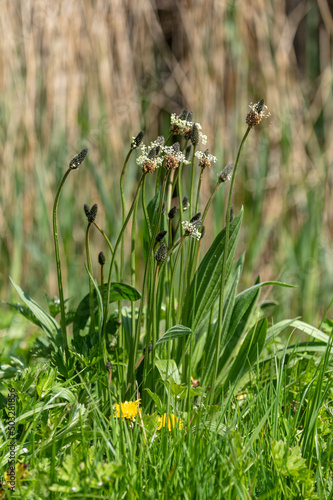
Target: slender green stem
[[198, 191], [170, 190], [106, 309], [91, 285], [148, 270], [134, 347], [220, 336], [209, 202], [144, 207], [123, 208], [154, 330], [192, 177], [57, 256], [109, 245]]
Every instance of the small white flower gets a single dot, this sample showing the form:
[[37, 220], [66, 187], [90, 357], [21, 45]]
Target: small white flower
[[191, 229], [263, 113], [205, 155]]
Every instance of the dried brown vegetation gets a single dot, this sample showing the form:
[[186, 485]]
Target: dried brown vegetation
[[94, 73]]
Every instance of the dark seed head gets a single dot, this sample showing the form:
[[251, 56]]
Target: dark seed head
[[225, 175], [160, 236], [86, 210], [183, 114], [172, 212], [108, 366], [101, 258], [137, 140], [189, 117], [195, 135], [203, 230], [92, 213], [161, 253], [154, 152], [78, 159], [196, 217], [185, 203], [260, 106]]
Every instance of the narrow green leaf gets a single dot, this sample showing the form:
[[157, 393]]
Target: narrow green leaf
[[210, 348], [275, 330], [49, 324], [250, 349], [205, 285], [310, 330], [175, 332], [156, 400]]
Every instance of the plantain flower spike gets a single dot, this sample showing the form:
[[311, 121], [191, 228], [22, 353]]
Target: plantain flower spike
[[78, 159], [258, 111]]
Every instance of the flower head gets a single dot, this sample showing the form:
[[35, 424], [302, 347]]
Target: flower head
[[191, 228], [170, 421], [150, 158], [258, 111], [205, 159], [183, 125], [173, 156], [128, 409], [226, 173]]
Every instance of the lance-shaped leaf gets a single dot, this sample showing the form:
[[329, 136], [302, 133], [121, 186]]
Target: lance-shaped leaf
[[175, 332], [49, 324], [206, 282], [248, 352]]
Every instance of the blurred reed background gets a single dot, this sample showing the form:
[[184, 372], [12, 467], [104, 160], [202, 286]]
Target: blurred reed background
[[92, 73]]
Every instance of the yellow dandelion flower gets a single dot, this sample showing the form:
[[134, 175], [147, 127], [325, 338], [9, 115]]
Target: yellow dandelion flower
[[171, 422], [128, 409]]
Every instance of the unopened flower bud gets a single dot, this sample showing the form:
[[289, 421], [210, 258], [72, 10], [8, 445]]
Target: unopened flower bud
[[160, 236], [226, 173], [183, 114], [196, 217], [92, 213], [172, 212], [101, 258], [185, 203], [195, 135], [137, 140], [161, 253], [189, 117], [78, 159]]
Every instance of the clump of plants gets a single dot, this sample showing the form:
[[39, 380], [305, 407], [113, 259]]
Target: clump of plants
[[160, 344]]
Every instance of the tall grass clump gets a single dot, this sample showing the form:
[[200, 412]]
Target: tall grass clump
[[164, 365]]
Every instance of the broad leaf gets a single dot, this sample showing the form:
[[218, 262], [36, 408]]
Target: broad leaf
[[118, 291], [168, 369]]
